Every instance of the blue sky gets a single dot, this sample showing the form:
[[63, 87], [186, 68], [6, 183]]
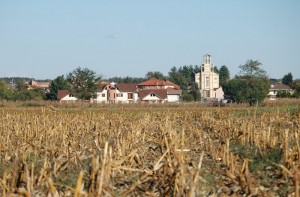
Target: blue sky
[[45, 39]]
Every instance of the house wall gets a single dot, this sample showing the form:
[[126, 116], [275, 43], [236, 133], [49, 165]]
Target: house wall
[[173, 98], [113, 95], [69, 98], [152, 99], [123, 98], [101, 99], [219, 94], [135, 97]]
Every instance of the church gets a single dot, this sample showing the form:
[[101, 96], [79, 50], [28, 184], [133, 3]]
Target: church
[[208, 80]]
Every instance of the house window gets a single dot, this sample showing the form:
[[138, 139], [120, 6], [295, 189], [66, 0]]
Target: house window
[[207, 82], [103, 95], [130, 96], [152, 94], [119, 95]]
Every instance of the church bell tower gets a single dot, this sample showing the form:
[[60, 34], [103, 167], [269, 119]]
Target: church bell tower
[[207, 79]]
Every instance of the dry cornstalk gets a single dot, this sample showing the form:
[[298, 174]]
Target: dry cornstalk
[[196, 176], [102, 169]]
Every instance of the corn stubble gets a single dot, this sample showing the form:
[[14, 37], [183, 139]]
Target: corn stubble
[[181, 151]]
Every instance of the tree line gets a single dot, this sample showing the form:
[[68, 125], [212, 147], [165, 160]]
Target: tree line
[[250, 85]]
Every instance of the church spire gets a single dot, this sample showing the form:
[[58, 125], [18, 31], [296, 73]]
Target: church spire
[[206, 59]]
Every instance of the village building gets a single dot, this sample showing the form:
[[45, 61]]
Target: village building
[[117, 93], [277, 88], [65, 96], [158, 91], [208, 80], [149, 91], [38, 84]]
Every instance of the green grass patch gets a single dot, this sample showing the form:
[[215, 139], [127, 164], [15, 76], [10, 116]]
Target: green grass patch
[[258, 161]]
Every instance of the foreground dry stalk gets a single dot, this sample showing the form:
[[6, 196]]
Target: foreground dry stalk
[[196, 176]]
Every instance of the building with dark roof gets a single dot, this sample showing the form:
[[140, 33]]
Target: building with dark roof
[[64, 95], [279, 87]]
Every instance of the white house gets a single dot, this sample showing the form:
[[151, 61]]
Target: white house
[[126, 93], [158, 91], [152, 90], [153, 95], [173, 95], [278, 87], [101, 94], [208, 80], [117, 93]]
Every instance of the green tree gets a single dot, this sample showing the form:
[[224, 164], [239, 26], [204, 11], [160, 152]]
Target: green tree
[[83, 82], [26, 95], [184, 76], [216, 70], [288, 79], [21, 85], [234, 90], [252, 85], [224, 75], [23, 93], [59, 83], [155, 74], [296, 87], [186, 97], [252, 68], [4, 90], [126, 79], [283, 94], [196, 95], [176, 77]]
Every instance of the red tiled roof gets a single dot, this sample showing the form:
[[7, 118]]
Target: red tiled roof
[[62, 93], [161, 93], [123, 87], [158, 82], [169, 83], [152, 82], [101, 87]]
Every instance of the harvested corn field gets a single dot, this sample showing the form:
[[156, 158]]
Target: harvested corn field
[[178, 150]]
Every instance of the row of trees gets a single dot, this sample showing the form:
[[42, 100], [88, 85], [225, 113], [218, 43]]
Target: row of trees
[[19, 91], [81, 82], [250, 85]]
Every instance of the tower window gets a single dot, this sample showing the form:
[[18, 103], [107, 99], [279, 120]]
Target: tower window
[[207, 82]]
